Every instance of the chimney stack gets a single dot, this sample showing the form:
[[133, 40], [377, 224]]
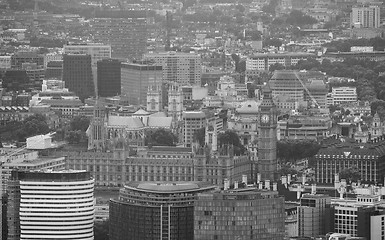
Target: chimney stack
[[226, 184], [313, 189], [267, 184], [236, 185], [258, 177], [275, 186], [260, 186], [288, 178], [244, 179]]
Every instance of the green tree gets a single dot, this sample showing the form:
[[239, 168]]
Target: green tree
[[101, 230], [276, 66], [231, 138], [80, 123], [199, 136], [161, 137], [32, 126], [351, 174], [293, 150]]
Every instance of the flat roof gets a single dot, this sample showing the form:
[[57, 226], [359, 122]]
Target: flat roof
[[169, 187]]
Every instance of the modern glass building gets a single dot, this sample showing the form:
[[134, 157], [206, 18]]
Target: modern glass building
[[155, 210], [245, 213]]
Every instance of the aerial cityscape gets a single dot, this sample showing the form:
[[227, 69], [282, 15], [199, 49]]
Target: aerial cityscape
[[192, 119]]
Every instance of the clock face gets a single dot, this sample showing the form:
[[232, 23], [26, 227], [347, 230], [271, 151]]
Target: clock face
[[265, 118]]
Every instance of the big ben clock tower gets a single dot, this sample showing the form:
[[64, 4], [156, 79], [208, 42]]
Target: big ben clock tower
[[267, 136]]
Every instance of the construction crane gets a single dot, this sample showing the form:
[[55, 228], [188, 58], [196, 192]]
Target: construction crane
[[307, 90]]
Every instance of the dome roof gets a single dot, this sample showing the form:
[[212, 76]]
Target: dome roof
[[248, 107]]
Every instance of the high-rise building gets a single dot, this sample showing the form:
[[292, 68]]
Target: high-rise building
[[96, 51], [180, 68], [50, 205], [192, 121], [267, 138], [312, 215], [77, 74], [245, 213], [365, 17], [108, 77], [125, 31], [54, 69], [136, 78], [361, 217], [154, 210]]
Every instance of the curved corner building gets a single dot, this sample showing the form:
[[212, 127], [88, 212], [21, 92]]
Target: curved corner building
[[151, 210], [51, 205]]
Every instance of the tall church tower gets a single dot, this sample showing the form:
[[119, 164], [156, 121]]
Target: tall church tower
[[267, 137], [376, 128], [154, 99], [96, 130]]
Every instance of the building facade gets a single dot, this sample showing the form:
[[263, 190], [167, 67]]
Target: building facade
[[336, 155], [365, 17], [246, 213], [356, 216], [50, 205], [77, 75], [312, 215], [97, 52], [125, 31], [288, 83], [263, 61], [344, 95], [137, 78], [192, 121], [108, 78], [180, 68], [158, 210]]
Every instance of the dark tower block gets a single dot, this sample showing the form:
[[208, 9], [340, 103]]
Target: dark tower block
[[267, 139]]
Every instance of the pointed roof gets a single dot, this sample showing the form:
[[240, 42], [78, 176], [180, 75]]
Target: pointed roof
[[141, 112]]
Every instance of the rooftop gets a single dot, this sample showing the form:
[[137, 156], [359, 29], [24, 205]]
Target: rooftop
[[169, 187]]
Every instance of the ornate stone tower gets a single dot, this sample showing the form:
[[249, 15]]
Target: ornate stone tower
[[376, 128], [267, 137], [96, 130], [154, 99]]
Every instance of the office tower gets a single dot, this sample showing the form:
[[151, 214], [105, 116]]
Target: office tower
[[152, 210], [125, 31], [95, 50], [180, 68], [361, 217], [108, 77], [192, 121], [54, 69], [267, 138], [312, 215], [244, 213], [50, 205], [365, 17], [77, 74], [136, 78]]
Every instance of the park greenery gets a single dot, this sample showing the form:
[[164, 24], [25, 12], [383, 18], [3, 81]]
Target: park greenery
[[160, 137], [293, 150], [20, 130]]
